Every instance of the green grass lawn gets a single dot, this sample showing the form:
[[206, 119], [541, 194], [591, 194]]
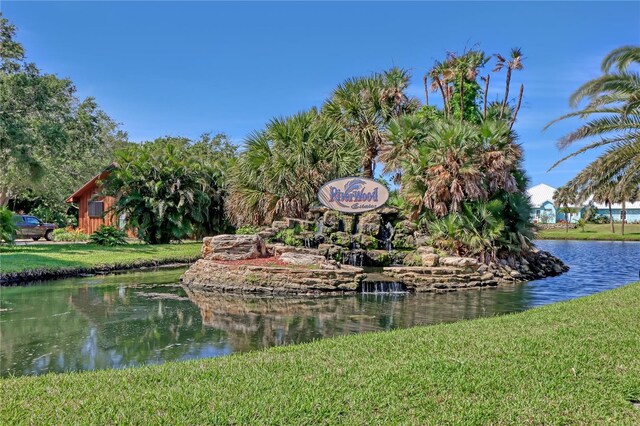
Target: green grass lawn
[[569, 363], [64, 256], [593, 232]]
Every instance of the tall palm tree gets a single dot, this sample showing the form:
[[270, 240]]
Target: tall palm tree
[[364, 106], [440, 76], [512, 63], [612, 112]]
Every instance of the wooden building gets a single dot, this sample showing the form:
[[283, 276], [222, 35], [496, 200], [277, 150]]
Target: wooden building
[[93, 208]]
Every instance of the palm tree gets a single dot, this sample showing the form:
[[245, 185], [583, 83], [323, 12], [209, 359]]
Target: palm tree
[[282, 167], [364, 106], [403, 133], [606, 194], [612, 112], [514, 62], [440, 75], [451, 162]]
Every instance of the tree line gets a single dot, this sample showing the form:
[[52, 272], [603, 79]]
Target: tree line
[[456, 163]]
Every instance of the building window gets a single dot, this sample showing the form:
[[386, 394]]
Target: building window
[[96, 208]]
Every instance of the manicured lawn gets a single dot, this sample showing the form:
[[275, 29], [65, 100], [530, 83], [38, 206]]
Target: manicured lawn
[[593, 232], [62, 256], [570, 363]]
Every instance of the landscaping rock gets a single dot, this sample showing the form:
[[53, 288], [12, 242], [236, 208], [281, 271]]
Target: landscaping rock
[[367, 242], [226, 277], [233, 247], [268, 233], [379, 257], [369, 224], [305, 259], [341, 238], [331, 218], [279, 225]]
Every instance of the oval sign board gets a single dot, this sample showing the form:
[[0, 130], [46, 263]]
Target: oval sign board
[[353, 194]]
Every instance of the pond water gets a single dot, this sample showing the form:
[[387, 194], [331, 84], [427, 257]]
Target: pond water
[[142, 318]]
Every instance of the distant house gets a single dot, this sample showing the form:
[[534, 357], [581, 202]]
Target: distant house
[[544, 209], [93, 208]]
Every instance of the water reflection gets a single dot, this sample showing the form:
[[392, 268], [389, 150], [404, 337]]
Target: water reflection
[[146, 318]]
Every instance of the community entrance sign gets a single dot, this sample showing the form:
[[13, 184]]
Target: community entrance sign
[[353, 194]]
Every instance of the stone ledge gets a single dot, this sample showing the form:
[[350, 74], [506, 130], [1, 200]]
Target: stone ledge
[[270, 279]]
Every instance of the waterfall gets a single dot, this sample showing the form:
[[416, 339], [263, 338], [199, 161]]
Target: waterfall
[[382, 287], [354, 258], [386, 235]]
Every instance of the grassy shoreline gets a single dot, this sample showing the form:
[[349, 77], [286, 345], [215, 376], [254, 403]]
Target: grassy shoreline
[[574, 363], [37, 262], [592, 232]]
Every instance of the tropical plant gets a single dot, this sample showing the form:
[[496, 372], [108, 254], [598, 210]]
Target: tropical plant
[[612, 114], [247, 230], [8, 226], [108, 236], [512, 63], [363, 107], [288, 237], [166, 189], [457, 162], [282, 167], [460, 169], [567, 200]]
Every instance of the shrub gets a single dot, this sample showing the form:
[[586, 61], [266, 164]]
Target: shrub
[[288, 236], [109, 236], [54, 214], [7, 226], [69, 234], [247, 230]]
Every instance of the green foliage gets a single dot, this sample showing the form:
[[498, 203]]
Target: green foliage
[[282, 167], [109, 236], [54, 213], [364, 106], [367, 242], [247, 230], [50, 140], [289, 237], [8, 226], [171, 188], [609, 106], [69, 235], [599, 219], [472, 94], [582, 222]]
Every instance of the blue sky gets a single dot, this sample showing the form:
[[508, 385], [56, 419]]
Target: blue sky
[[178, 68]]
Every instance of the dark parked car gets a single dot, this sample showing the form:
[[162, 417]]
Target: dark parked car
[[32, 227]]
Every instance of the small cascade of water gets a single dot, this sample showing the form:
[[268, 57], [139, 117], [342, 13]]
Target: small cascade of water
[[382, 287], [307, 242], [353, 258], [386, 236], [318, 237]]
